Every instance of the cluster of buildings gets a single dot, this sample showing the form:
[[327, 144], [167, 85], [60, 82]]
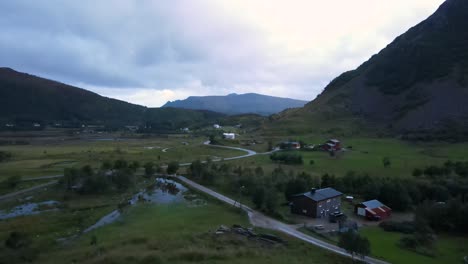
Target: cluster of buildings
[[326, 203]]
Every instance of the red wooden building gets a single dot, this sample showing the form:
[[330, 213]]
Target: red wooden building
[[373, 210], [332, 145]]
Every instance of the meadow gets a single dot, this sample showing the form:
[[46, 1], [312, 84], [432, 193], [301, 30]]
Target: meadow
[[448, 249], [147, 233], [51, 157], [365, 155]]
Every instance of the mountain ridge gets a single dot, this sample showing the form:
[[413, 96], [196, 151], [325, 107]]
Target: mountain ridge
[[418, 82], [233, 103], [27, 99]]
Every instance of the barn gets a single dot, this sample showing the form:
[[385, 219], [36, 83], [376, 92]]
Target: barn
[[290, 145], [332, 145], [373, 210], [229, 136], [316, 203]]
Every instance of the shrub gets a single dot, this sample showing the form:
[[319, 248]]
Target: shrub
[[406, 227], [17, 240], [13, 181], [287, 158], [4, 156]]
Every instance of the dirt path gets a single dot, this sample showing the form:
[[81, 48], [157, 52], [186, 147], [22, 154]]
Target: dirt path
[[13, 194]]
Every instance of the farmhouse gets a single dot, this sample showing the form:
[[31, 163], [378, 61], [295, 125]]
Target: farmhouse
[[332, 145], [229, 136], [373, 210], [316, 203], [216, 126], [290, 145]]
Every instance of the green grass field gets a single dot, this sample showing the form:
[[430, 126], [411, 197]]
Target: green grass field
[[449, 249], [366, 156], [174, 233], [51, 159]]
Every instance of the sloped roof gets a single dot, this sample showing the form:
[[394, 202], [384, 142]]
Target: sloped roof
[[321, 194], [372, 204]]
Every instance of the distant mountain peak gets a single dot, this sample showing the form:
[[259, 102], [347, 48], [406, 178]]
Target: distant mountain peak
[[234, 103]]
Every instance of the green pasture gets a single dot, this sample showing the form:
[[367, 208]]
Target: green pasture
[[366, 156], [51, 159], [384, 245]]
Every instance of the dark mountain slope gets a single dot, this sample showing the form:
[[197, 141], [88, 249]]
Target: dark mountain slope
[[419, 82], [238, 103], [26, 98]]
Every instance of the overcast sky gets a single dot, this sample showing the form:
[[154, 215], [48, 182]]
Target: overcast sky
[[149, 52]]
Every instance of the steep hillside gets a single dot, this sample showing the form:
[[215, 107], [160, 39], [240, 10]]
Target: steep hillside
[[419, 82], [238, 104], [25, 99]]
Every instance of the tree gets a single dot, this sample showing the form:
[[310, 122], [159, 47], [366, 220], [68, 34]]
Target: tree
[[295, 186], [258, 197], [417, 172], [270, 145], [328, 180], [4, 156], [354, 244], [123, 179], [149, 169], [70, 175], [106, 165], [271, 200], [120, 164], [13, 181], [386, 162], [17, 240], [134, 165], [172, 167], [259, 171]]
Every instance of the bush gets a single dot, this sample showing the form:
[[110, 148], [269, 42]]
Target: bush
[[406, 227], [17, 240], [151, 259], [4, 156], [149, 168], [172, 167], [12, 181], [287, 158]]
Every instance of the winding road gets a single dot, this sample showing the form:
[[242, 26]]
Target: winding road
[[260, 220], [256, 218]]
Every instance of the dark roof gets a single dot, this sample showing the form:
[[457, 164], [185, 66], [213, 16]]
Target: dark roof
[[321, 194], [373, 204]]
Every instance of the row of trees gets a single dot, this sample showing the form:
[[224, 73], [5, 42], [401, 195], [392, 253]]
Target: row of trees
[[448, 168], [286, 158], [398, 193], [85, 180], [119, 175], [265, 191]]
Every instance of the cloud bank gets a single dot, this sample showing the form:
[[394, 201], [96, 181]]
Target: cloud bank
[[149, 52]]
